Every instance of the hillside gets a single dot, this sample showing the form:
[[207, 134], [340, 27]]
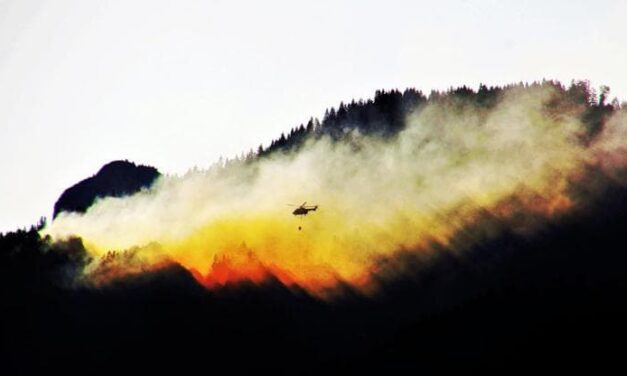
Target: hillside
[[524, 277]]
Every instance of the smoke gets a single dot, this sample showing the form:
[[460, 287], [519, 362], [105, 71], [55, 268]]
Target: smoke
[[377, 196]]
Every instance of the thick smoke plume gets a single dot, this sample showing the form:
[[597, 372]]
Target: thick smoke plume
[[377, 196]]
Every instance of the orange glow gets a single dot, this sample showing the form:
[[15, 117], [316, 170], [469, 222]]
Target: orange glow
[[311, 261]]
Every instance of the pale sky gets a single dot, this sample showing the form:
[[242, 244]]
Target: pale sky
[[175, 84]]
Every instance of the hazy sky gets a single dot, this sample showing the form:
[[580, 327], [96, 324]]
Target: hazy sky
[[179, 83]]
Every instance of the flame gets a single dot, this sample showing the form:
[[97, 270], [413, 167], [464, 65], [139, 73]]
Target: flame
[[327, 252]]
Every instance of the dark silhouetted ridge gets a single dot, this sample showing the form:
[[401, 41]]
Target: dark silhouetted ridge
[[115, 179], [386, 114]]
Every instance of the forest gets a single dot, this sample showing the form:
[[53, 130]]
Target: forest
[[516, 302]]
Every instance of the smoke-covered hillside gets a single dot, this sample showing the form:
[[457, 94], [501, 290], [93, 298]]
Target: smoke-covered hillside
[[466, 230]]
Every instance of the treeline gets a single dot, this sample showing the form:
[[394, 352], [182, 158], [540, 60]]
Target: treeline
[[33, 268], [386, 114]]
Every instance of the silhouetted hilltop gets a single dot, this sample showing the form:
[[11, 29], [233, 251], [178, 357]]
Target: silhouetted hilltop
[[116, 179]]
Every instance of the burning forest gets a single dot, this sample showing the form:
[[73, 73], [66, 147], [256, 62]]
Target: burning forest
[[464, 229]]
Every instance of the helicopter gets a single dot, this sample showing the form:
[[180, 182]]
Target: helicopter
[[303, 209]]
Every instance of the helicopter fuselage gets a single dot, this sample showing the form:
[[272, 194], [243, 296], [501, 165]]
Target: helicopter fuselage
[[303, 210]]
